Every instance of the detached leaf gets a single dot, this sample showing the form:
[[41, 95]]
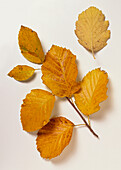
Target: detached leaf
[[54, 137], [30, 45], [36, 109], [60, 72], [93, 91], [91, 29], [21, 72]]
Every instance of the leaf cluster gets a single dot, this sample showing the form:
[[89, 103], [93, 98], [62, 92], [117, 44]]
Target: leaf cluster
[[59, 74]]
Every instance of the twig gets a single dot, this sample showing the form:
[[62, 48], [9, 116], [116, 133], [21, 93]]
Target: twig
[[82, 118]]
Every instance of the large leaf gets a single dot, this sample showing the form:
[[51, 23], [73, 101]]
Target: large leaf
[[30, 45], [91, 29], [21, 72], [54, 137], [36, 109], [93, 91], [60, 72]]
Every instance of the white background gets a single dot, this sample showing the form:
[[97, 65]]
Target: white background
[[54, 21]]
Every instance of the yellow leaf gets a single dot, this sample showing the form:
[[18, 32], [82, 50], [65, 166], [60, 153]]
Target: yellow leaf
[[54, 137], [30, 45], [36, 109], [21, 72], [91, 29], [93, 91], [60, 72]]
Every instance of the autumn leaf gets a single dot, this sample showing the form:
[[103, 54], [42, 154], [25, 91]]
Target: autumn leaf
[[93, 91], [54, 137], [36, 109], [21, 72], [60, 72], [91, 29], [30, 45]]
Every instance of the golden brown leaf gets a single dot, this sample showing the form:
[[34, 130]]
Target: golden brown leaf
[[60, 72], [36, 109], [93, 91], [54, 137], [30, 45], [91, 29], [21, 72]]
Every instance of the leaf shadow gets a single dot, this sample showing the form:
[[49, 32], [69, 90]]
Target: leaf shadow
[[44, 48], [56, 109], [68, 151], [33, 133], [79, 77], [105, 106]]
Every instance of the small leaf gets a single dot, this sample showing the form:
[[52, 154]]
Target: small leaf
[[21, 72], [91, 29], [30, 45], [54, 137], [93, 91], [60, 72], [36, 109]]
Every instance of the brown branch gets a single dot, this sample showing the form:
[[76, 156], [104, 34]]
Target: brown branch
[[82, 118]]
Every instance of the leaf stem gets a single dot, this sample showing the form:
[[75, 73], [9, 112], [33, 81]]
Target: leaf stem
[[38, 69], [91, 130], [80, 125], [93, 54]]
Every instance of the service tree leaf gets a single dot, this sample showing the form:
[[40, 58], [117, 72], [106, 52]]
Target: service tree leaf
[[93, 91], [21, 72], [54, 137], [30, 45], [36, 109], [91, 29], [60, 72]]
